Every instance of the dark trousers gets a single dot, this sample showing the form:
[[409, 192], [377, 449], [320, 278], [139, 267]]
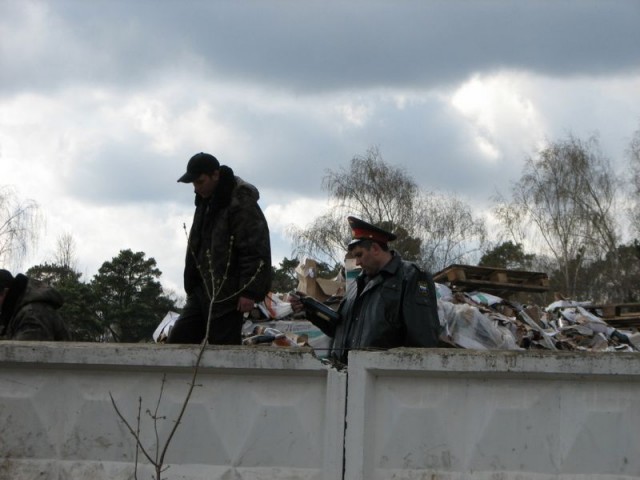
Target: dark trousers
[[191, 326]]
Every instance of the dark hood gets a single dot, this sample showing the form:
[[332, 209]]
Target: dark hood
[[25, 290]]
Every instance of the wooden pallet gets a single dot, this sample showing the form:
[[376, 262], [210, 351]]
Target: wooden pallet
[[618, 315], [610, 310], [624, 322], [489, 279]]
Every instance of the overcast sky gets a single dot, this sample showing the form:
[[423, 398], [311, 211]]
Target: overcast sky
[[103, 102]]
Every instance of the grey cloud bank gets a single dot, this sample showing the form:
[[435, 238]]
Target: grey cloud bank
[[313, 46]]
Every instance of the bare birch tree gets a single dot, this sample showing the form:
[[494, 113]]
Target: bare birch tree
[[370, 189], [65, 255], [20, 223], [634, 160], [564, 205]]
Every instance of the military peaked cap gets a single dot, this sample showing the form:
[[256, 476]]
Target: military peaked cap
[[361, 230]]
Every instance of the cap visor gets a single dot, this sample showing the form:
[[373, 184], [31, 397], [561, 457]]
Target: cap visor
[[353, 243], [188, 178]]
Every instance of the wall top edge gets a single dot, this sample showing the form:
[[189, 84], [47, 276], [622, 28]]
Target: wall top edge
[[151, 356], [396, 361], [445, 360]]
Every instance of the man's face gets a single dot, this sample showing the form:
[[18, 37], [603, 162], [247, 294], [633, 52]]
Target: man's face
[[206, 184], [367, 258]]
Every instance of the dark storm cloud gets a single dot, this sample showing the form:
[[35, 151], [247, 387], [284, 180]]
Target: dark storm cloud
[[370, 44], [311, 46]]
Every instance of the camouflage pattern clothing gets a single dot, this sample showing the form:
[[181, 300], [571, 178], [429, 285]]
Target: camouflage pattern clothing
[[228, 255], [29, 312]]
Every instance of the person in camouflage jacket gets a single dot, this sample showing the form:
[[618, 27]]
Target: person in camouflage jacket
[[228, 255], [28, 309]]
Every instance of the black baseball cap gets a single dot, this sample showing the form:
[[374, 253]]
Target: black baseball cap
[[198, 164]]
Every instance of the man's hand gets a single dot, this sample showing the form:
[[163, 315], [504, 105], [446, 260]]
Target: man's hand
[[245, 304], [294, 300]]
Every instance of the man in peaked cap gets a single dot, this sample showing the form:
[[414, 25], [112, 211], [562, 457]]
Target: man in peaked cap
[[228, 260], [391, 304], [28, 309]]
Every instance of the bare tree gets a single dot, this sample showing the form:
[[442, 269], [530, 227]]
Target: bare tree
[[325, 238], [370, 189], [432, 229], [20, 223], [449, 231], [374, 190], [564, 205], [65, 255], [634, 160], [156, 454]]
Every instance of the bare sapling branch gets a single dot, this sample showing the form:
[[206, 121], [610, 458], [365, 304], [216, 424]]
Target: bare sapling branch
[[160, 453]]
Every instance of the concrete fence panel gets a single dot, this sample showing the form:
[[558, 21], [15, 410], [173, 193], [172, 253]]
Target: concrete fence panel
[[459, 414], [255, 413], [263, 414]]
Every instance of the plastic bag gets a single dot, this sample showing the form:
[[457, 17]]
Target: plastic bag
[[467, 327]]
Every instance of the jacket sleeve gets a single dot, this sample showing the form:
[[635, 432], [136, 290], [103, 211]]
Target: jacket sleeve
[[325, 326], [252, 249], [420, 309]]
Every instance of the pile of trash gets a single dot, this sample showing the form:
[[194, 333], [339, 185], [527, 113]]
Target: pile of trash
[[271, 323], [475, 319], [471, 319], [276, 317], [478, 320], [275, 324]]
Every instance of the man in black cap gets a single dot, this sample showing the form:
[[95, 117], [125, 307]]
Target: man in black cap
[[228, 261], [392, 303], [28, 309]]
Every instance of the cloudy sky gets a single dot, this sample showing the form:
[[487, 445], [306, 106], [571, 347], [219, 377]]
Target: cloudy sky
[[103, 102]]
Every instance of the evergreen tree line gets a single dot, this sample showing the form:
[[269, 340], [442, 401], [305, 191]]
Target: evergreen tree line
[[123, 302]]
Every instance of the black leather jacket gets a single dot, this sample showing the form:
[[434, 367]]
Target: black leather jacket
[[395, 308]]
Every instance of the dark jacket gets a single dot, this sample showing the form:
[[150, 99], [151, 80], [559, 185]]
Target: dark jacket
[[229, 241], [29, 311], [395, 308]]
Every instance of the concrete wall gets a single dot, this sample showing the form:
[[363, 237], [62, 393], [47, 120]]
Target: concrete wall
[[264, 414], [255, 414], [493, 415]]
